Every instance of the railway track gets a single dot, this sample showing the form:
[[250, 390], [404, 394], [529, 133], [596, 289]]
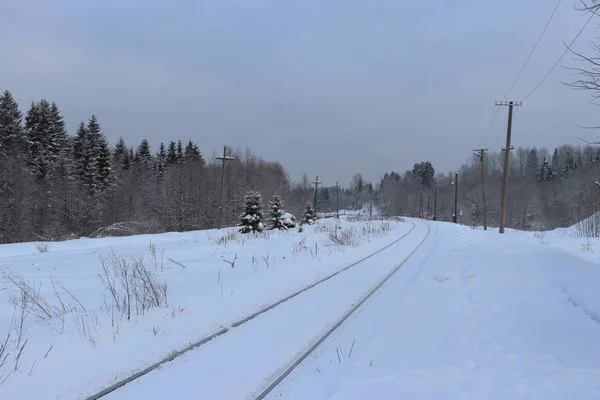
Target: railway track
[[238, 323], [278, 378]]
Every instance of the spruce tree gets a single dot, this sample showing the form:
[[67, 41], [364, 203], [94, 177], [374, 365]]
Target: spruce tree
[[545, 172], [192, 152], [120, 151], [39, 131], [59, 138], [276, 214], [80, 141], [180, 153], [160, 161], [172, 153], [127, 159], [310, 215], [93, 157], [144, 154], [104, 165], [251, 219], [12, 135]]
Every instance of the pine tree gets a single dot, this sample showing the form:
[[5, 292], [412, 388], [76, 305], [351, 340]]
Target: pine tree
[[120, 151], [192, 152], [80, 141], [104, 165], [180, 153], [93, 157], [12, 135], [424, 173], [172, 153], [276, 214], [38, 126], [59, 138], [310, 215], [127, 159], [143, 155], [555, 160], [569, 166], [545, 172], [251, 219], [160, 161]]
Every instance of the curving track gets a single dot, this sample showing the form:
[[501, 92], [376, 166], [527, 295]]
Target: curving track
[[284, 326]]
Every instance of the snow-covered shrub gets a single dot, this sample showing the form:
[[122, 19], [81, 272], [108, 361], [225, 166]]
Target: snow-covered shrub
[[289, 220]]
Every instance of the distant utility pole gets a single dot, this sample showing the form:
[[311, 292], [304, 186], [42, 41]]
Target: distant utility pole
[[224, 159], [421, 204], [480, 153], [428, 198], [455, 218], [435, 203], [316, 182], [337, 200], [507, 149]]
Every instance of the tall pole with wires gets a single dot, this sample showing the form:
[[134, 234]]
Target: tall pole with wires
[[337, 200], [506, 150], [224, 159], [316, 182], [480, 153]]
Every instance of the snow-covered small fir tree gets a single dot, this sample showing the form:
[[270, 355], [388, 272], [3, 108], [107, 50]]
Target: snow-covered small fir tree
[[251, 219], [309, 214], [276, 215]]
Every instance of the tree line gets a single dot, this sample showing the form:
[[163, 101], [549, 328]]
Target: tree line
[[56, 186], [546, 189]]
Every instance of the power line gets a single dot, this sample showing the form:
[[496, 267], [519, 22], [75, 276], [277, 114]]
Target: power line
[[561, 57], [523, 67], [532, 50]]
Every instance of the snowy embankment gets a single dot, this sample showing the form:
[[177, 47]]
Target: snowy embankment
[[488, 317], [78, 315]]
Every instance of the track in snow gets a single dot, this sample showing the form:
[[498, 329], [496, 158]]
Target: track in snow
[[280, 377], [218, 334]]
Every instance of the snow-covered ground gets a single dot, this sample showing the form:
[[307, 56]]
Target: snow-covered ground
[[489, 317], [68, 338], [471, 315]]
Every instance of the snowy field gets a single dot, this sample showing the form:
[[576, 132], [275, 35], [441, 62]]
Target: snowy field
[[488, 317], [471, 315], [68, 336]]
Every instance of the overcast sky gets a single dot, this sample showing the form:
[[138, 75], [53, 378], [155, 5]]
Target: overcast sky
[[327, 87]]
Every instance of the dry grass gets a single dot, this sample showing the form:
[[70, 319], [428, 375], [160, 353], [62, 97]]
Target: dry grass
[[133, 284]]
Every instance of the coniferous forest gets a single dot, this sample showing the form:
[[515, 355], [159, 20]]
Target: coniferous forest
[[56, 185]]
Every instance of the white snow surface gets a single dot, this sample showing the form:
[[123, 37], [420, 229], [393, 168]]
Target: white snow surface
[[471, 315], [205, 293]]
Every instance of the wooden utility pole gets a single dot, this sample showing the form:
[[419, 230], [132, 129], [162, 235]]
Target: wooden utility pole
[[480, 153], [435, 203], [224, 159], [337, 200], [316, 183], [507, 149], [455, 218], [421, 204], [428, 201]]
